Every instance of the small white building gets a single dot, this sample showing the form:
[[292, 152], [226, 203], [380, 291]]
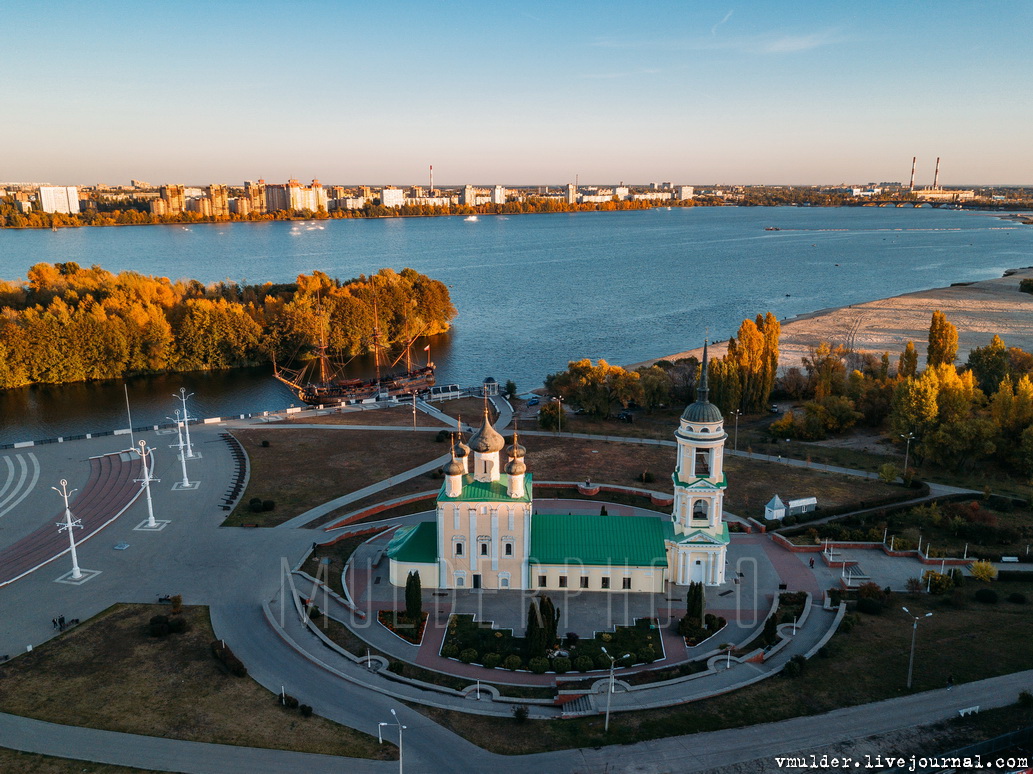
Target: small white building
[[775, 510], [803, 505]]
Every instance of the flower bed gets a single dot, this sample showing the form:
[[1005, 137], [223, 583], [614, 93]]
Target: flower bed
[[401, 626], [476, 643]]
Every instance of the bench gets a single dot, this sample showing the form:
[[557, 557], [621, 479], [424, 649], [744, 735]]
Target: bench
[[968, 711], [1009, 558]]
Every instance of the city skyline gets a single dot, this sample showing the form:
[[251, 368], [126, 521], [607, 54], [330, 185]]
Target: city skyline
[[540, 94]]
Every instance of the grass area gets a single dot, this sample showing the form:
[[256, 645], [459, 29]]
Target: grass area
[[30, 763], [301, 469], [950, 528], [470, 409], [335, 556], [107, 673], [355, 645], [963, 638]]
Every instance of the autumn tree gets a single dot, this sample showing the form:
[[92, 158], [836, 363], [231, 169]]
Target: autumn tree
[[943, 341]]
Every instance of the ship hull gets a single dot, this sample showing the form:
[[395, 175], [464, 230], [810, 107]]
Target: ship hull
[[392, 386]]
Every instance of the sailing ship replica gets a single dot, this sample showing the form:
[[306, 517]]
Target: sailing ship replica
[[319, 382]]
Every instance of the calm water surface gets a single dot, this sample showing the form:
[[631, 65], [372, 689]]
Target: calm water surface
[[532, 291]]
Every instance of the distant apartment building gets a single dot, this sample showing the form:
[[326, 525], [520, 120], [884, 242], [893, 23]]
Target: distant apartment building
[[430, 201], [651, 196], [220, 199], [56, 198], [469, 196], [684, 192], [594, 198], [571, 193], [621, 192], [294, 196], [199, 204], [140, 184], [392, 197], [498, 195], [945, 195], [336, 192], [240, 206], [173, 198], [255, 194]]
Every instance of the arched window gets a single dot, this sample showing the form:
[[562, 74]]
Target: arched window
[[699, 510], [459, 548], [460, 580], [508, 550], [484, 549]]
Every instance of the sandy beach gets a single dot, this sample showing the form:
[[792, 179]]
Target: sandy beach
[[977, 309]]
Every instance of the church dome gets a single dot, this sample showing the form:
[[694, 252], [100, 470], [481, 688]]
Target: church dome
[[487, 440], [460, 449], [516, 467], [515, 450], [453, 468], [702, 411]]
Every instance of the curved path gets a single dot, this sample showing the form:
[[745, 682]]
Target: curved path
[[109, 492]]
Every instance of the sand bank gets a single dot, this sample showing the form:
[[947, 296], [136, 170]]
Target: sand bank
[[977, 309]]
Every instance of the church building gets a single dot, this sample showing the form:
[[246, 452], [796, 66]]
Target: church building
[[487, 536]]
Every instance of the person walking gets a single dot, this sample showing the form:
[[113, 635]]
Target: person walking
[[950, 682]]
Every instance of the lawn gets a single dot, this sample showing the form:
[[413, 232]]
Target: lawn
[[335, 556], [108, 673], [963, 638], [301, 469], [394, 416], [24, 763], [470, 409]]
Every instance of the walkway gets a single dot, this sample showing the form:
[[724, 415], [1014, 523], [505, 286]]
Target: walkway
[[110, 491]]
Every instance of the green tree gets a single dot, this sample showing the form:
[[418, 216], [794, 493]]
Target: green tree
[[550, 620], [549, 416], [943, 341], [989, 364], [413, 598]]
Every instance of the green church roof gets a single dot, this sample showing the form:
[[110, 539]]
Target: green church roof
[[487, 491], [415, 544], [597, 540]]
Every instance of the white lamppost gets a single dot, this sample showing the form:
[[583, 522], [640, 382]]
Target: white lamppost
[[907, 449], [182, 451], [609, 693], [735, 442], [914, 632], [69, 525], [186, 419], [559, 413], [401, 728], [146, 480]]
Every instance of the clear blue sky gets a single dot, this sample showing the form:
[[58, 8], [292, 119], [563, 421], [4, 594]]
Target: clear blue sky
[[203, 91]]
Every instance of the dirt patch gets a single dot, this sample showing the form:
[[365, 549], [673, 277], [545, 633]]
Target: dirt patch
[[108, 673], [393, 416], [12, 760], [301, 469]]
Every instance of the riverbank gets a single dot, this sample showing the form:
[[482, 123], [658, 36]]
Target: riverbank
[[977, 309]]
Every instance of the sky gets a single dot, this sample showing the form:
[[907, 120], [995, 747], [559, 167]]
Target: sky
[[203, 91]]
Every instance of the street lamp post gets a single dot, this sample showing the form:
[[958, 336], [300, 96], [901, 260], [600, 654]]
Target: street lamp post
[[401, 728], [609, 693], [69, 525], [182, 451], [914, 632], [907, 450], [146, 480], [735, 442], [559, 413], [186, 419]]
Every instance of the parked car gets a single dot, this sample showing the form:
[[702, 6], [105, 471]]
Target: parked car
[[533, 402], [626, 416]]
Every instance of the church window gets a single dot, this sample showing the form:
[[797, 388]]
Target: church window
[[605, 583], [503, 582], [584, 581], [702, 463], [508, 550], [459, 549], [563, 581], [626, 584], [542, 581], [699, 510], [484, 549]]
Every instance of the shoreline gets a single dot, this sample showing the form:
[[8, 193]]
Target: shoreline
[[978, 310]]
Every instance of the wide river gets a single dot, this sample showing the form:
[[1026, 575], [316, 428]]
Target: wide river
[[532, 291]]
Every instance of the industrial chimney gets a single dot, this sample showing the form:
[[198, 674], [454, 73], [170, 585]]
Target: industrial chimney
[[914, 160], [936, 175]]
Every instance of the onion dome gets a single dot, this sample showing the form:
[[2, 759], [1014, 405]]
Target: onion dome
[[702, 410], [459, 449], [516, 467], [453, 468], [515, 450], [487, 440]]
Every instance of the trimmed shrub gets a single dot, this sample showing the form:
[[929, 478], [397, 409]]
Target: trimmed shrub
[[601, 661], [255, 504], [986, 596], [158, 626], [520, 712], [492, 660], [513, 662], [450, 651], [268, 505], [1025, 699], [177, 625], [869, 606], [583, 663], [791, 670], [560, 664], [1017, 598], [983, 570], [468, 656], [230, 662], [305, 710], [442, 436], [287, 701], [646, 655], [265, 444], [539, 665]]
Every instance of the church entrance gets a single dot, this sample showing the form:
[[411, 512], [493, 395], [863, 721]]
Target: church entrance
[[476, 581], [697, 571]]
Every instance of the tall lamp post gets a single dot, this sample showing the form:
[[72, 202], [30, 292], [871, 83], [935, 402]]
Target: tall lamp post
[[735, 442], [69, 525], [186, 419], [182, 451], [401, 728], [146, 481], [907, 449], [559, 413], [609, 693], [914, 632]]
